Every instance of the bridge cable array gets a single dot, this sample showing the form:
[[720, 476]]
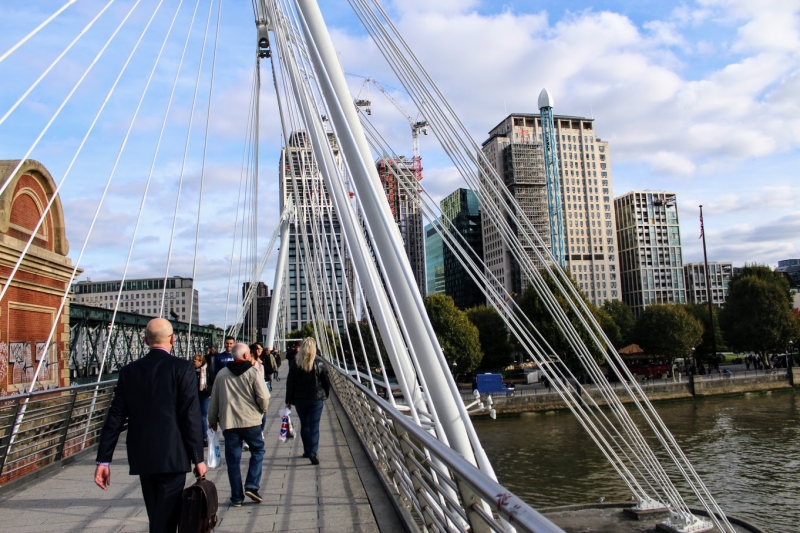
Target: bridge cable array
[[345, 237]]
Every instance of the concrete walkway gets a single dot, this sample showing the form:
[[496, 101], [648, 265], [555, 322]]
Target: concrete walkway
[[336, 496]]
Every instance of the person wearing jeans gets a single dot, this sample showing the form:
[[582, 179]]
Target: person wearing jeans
[[239, 400], [309, 412], [234, 438], [307, 387], [203, 372]]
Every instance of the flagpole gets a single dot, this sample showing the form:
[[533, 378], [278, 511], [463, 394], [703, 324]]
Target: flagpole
[[708, 292]]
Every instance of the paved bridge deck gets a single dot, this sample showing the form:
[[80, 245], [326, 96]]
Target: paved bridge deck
[[342, 494]]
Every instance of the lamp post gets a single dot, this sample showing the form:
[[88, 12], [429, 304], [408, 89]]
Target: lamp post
[[789, 358]]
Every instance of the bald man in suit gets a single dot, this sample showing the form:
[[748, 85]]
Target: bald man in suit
[[157, 396]]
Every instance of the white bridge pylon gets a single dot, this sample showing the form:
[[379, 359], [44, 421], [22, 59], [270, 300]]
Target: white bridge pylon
[[336, 224]]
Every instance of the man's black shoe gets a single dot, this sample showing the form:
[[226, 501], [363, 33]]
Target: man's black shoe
[[314, 460], [253, 495], [305, 454]]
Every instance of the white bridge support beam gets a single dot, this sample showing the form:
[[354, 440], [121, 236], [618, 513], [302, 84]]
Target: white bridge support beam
[[375, 293], [387, 239], [277, 287]]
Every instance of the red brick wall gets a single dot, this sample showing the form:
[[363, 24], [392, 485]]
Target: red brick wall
[[26, 314], [25, 213]]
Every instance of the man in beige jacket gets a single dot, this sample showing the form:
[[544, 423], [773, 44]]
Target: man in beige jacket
[[238, 401]]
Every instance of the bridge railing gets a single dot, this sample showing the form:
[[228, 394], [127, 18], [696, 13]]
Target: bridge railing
[[42, 428], [424, 476]]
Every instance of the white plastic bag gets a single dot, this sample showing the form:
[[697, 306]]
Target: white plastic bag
[[285, 424], [214, 457]]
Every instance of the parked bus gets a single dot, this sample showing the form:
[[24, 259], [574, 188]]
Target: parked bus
[[649, 366]]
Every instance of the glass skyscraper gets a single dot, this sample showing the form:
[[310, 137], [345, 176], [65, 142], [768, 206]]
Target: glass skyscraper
[[463, 210]]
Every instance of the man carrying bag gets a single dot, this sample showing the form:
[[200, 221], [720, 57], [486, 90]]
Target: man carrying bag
[[238, 401], [157, 397]]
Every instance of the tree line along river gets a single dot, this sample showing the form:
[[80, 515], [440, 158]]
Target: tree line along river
[[746, 449]]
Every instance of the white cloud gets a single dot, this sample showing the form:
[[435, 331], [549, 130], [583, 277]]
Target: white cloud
[[685, 102]]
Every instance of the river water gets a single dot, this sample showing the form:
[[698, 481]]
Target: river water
[[745, 448]]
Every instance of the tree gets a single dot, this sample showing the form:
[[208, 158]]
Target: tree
[[493, 334], [608, 325], [309, 329], [535, 310], [704, 351], [757, 316], [458, 337], [622, 314], [369, 345], [669, 331]]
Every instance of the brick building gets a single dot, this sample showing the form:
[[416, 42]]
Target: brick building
[[28, 309]]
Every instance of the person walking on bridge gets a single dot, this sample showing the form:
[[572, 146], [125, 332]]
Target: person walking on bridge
[[238, 401], [307, 387], [157, 397], [221, 359]]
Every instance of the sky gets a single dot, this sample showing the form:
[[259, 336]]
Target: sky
[[699, 98]]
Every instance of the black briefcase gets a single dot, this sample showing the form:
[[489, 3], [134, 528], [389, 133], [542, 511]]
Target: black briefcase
[[199, 507]]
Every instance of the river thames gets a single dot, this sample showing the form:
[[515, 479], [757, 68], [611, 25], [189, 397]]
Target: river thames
[[746, 449]]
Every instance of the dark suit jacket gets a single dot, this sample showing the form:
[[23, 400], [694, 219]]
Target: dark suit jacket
[[157, 396]]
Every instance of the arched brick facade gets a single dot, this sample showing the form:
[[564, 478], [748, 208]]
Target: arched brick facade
[[28, 309]]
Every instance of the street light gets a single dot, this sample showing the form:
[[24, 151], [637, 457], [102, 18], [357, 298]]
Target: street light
[[789, 358]]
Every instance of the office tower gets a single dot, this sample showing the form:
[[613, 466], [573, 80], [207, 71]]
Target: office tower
[[256, 317], [463, 210], [314, 214], [586, 186], [790, 269], [694, 278], [651, 263], [514, 152], [434, 260], [142, 296], [402, 193]]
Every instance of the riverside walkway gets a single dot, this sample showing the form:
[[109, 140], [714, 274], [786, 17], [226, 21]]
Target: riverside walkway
[[342, 494]]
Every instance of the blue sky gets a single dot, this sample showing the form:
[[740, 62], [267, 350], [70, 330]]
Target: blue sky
[[695, 97]]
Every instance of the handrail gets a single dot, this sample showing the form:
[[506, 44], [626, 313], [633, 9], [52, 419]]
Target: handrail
[[50, 392], [40, 428], [413, 464]]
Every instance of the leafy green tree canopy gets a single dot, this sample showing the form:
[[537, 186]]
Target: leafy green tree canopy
[[535, 310], [622, 315], [354, 328], [668, 330], [705, 350], [310, 329], [458, 337], [757, 316], [493, 335]]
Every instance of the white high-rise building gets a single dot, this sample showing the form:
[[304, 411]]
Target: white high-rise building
[[142, 296], [719, 276], [302, 181], [586, 188], [651, 261]]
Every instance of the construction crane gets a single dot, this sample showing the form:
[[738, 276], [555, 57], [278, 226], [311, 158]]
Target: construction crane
[[417, 126]]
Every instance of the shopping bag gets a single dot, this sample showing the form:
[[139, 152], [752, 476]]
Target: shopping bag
[[214, 458], [290, 433], [284, 424]]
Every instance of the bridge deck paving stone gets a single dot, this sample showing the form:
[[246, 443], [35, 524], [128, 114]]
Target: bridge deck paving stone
[[298, 496]]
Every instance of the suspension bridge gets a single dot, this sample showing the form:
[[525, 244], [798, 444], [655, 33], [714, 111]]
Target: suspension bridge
[[336, 251]]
